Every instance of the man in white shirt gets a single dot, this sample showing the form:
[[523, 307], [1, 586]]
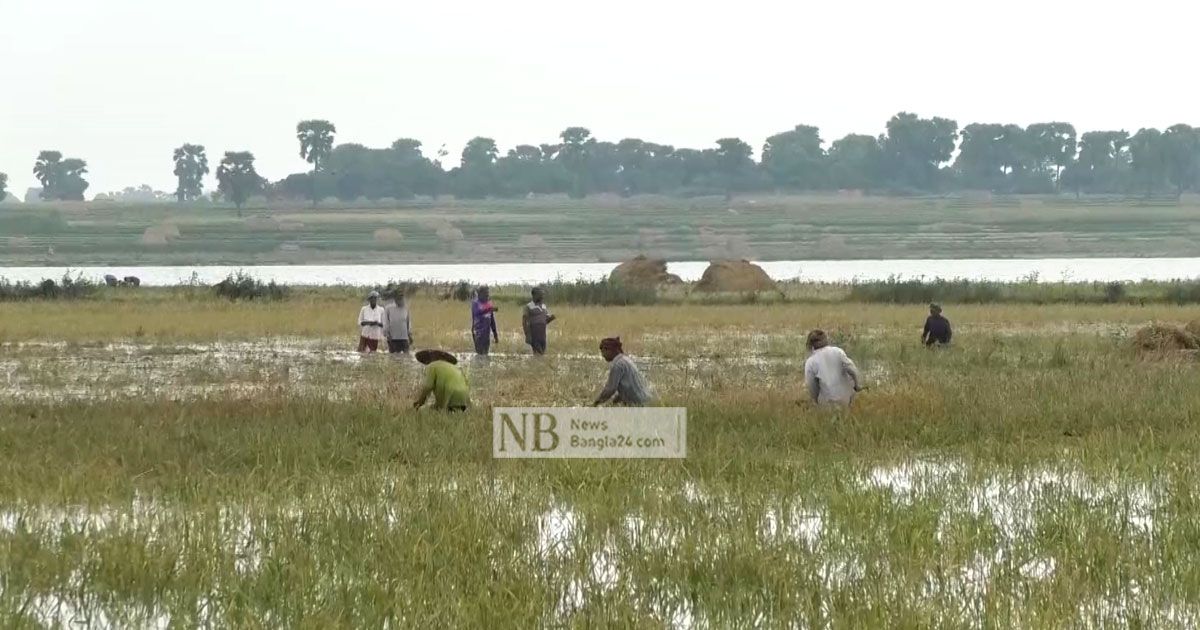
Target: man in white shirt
[[370, 324], [829, 375]]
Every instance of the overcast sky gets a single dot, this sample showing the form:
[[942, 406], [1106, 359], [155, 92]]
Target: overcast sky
[[120, 83]]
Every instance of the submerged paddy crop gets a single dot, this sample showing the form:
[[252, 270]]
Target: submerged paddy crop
[[240, 467]]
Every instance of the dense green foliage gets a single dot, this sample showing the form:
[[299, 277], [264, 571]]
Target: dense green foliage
[[61, 179], [915, 155], [236, 177]]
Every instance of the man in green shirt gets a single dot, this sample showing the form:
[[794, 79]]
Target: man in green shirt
[[444, 380]]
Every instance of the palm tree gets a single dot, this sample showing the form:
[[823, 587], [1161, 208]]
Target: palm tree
[[316, 143], [46, 169], [191, 165]]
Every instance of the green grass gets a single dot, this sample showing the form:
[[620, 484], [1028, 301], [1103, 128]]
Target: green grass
[[604, 292], [764, 227], [1038, 474]]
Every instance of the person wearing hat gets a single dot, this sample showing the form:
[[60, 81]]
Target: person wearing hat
[[370, 324], [829, 375], [937, 328], [625, 385], [444, 380], [483, 321]]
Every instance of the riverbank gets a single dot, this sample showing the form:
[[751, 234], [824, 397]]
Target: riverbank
[[597, 229]]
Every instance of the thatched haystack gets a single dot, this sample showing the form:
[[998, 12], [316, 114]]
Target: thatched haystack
[[388, 235], [734, 276], [641, 271], [1164, 338]]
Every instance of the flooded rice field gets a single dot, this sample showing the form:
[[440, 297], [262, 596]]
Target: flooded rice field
[[1035, 474], [922, 532], [327, 368]]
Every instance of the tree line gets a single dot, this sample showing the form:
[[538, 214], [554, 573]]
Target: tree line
[[914, 155]]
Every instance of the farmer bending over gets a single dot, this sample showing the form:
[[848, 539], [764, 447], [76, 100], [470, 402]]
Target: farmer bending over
[[444, 380], [830, 376], [626, 385], [937, 328]]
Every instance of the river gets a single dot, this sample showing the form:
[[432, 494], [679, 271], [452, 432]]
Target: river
[[1003, 270]]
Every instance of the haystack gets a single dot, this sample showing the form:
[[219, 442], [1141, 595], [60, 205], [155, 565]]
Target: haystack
[[640, 271], [388, 235], [1193, 327], [261, 223], [449, 233], [734, 276], [1164, 338], [531, 241], [154, 236]]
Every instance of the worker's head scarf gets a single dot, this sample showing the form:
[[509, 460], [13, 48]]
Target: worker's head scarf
[[373, 294], [817, 339], [429, 356], [613, 343]]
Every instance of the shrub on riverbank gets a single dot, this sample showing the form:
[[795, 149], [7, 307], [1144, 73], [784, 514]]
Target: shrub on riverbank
[[603, 292], [896, 291], [67, 288], [242, 286], [606, 292]]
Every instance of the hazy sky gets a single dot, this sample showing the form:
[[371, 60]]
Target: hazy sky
[[120, 83]]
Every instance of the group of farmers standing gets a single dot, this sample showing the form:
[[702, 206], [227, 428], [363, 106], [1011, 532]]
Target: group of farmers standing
[[392, 324], [830, 376]]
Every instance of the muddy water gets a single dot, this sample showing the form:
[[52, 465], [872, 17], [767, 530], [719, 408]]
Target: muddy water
[[62, 372]]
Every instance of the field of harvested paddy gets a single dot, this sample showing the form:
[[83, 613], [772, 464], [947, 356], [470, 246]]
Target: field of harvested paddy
[[171, 462]]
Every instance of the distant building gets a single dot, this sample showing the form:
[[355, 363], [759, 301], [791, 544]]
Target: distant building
[[33, 195]]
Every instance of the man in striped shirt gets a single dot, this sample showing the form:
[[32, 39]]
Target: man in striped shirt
[[534, 319]]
